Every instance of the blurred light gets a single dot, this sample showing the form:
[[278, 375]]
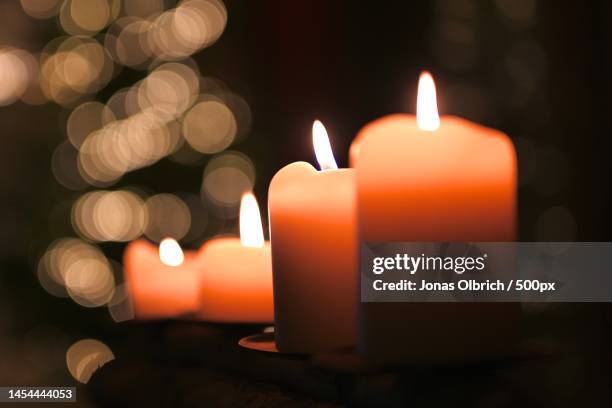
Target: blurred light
[[198, 215], [427, 106], [41, 9], [126, 145], [191, 26], [33, 94], [168, 216], [143, 8], [251, 230], [120, 306], [116, 103], [109, 216], [187, 155], [64, 167], [14, 74], [226, 178], [213, 89], [170, 90], [84, 357], [555, 224], [74, 67], [85, 119], [170, 252], [87, 17], [322, 148], [73, 267], [209, 127], [126, 41], [90, 281]]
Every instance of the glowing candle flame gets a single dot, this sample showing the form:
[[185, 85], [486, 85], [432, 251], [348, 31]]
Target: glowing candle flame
[[322, 148], [427, 106], [251, 230], [170, 252]]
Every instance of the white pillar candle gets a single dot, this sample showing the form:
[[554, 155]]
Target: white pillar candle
[[313, 232], [431, 179]]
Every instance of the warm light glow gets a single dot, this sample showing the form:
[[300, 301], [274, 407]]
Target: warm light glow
[[427, 106], [251, 230], [322, 148], [170, 252]]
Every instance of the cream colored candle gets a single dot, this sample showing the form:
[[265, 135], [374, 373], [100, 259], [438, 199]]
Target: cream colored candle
[[429, 179], [236, 284], [313, 234], [162, 282]]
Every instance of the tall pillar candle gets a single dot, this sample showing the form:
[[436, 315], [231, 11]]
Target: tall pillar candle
[[431, 179], [314, 253]]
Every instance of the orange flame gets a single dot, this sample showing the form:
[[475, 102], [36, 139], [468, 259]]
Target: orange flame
[[251, 230], [170, 252], [322, 148], [427, 106]]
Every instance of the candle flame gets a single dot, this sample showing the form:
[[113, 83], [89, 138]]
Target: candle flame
[[170, 252], [322, 148], [427, 106], [251, 230]]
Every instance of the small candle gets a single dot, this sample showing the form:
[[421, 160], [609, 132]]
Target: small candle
[[426, 179], [314, 253], [162, 282], [236, 283]]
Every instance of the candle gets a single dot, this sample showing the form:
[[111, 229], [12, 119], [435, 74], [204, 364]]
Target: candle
[[162, 282], [429, 179], [313, 233], [236, 283]]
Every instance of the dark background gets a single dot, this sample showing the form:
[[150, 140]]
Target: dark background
[[538, 70]]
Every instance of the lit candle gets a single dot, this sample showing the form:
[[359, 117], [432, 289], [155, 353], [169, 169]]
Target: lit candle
[[162, 282], [313, 233], [236, 283], [426, 179]]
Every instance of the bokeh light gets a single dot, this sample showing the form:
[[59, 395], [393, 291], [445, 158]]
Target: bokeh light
[[126, 145], [64, 167], [143, 8], [72, 67], [120, 306], [84, 357], [75, 268], [14, 74], [85, 119], [170, 90], [209, 126], [168, 216], [109, 216], [193, 25], [87, 17], [41, 9], [226, 177]]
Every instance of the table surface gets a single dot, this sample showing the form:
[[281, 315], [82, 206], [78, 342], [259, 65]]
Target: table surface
[[197, 364]]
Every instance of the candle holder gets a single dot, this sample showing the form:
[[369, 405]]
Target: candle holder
[[265, 343]]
